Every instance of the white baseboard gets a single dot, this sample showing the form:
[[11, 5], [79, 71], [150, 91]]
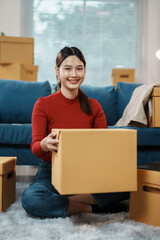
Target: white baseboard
[[25, 173]]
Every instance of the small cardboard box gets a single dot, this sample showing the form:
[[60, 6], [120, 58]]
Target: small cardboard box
[[7, 182], [18, 71], [145, 203], [95, 161], [155, 108], [16, 49], [123, 75]]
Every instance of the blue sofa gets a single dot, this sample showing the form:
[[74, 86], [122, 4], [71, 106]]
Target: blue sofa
[[113, 103], [17, 99]]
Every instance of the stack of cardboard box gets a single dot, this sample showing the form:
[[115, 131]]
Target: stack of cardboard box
[[7, 182], [123, 75], [155, 108], [145, 203], [17, 59]]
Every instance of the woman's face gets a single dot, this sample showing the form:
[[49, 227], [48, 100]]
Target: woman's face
[[71, 73]]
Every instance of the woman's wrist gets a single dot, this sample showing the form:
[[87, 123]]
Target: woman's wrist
[[43, 146]]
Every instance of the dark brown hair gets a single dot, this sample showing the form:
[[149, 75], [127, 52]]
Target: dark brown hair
[[73, 51]]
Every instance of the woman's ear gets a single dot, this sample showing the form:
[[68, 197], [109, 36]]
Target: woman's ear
[[57, 71]]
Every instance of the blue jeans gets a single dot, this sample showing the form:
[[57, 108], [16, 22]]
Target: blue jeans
[[41, 199]]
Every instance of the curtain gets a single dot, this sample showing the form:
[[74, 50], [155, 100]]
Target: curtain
[[107, 32]]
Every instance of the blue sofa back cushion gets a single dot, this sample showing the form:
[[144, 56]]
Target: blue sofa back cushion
[[106, 96], [145, 136], [17, 99], [18, 134], [124, 93]]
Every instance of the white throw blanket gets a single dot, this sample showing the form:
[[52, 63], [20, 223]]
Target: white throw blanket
[[134, 113]]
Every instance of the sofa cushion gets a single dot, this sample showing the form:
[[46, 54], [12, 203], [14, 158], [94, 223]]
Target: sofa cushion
[[106, 96], [124, 93], [145, 136], [17, 99], [22, 152], [15, 133], [148, 154]]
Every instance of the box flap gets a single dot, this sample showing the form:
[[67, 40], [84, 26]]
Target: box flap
[[30, 68], [156, 92], [27, 67], [5, 64], [17, 39], [148, 176], [57, 131], [7, 164], [123, 71]]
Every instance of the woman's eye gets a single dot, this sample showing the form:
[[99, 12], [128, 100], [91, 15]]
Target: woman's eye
[[79, 69], [68, 69]]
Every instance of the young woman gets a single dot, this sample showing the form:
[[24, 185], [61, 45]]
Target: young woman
[[69, 107]]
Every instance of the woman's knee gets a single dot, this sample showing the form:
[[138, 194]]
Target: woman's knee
[[28, 201], [44, 203]]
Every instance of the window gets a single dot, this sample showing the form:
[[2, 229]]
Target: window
[[106, 31]]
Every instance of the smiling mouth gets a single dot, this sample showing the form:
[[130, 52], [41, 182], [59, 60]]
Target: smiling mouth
[[73, 81]]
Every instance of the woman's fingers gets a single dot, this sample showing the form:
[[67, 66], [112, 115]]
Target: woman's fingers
[[49, 143], [53, 134], [52, 148], [52, 142]]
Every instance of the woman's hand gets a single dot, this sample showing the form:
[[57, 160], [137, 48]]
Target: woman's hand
[[49, 143]]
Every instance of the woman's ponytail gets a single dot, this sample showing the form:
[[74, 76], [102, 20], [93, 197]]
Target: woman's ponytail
[[84, 102]]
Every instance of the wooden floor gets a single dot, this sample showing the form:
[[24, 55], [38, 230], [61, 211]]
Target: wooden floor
[[25, 173]]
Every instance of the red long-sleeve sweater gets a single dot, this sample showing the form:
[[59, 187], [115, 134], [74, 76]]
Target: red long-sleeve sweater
[[58, 112]]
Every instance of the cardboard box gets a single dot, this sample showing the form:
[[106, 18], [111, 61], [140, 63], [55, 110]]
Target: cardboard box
[[95, 161], [7, 182], [18, 71], [155, 108], [123, 75], [145, 203], [16, 49]]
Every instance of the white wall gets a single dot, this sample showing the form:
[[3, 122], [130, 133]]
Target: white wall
[[12, 19], [150, 64]]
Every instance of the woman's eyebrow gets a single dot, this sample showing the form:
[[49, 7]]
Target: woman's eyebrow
[[67, 66], [80, 65], [71, 66]]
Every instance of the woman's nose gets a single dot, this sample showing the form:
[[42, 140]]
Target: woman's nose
[[73, 73]]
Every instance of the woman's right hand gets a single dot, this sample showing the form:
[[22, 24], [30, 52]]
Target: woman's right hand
[[49, 143]]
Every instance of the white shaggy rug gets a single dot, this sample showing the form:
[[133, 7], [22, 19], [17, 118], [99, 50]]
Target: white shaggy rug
[[16, 224]]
